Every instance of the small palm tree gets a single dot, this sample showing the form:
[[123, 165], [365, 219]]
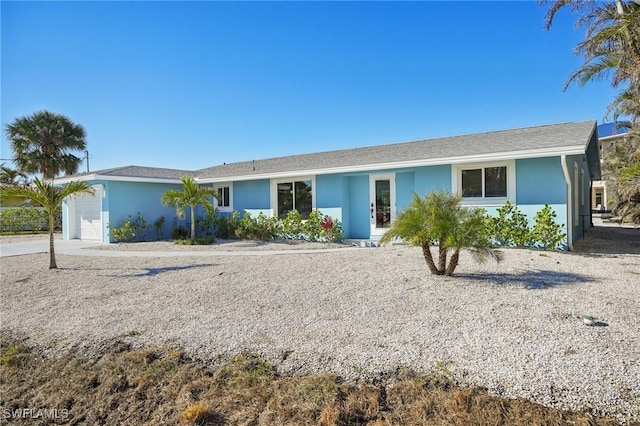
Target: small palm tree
[[191, 195], [10, 176], [439, 218], [50, 197], [44, 142]]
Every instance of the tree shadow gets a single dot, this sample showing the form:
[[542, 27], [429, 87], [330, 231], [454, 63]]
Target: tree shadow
[[531, 279], [603, 241], [152, 272]]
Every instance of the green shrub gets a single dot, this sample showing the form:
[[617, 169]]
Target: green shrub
[[292, 226], [201, 241], [141, 227], [510, 227], [261, 228], [226, 226], [21, 219], [179, 232], [124, 232], [547, 233], [158, 225], [207, 223], [131, 229]]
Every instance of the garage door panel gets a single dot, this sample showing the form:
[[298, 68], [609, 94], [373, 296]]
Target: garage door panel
[[89, 216]]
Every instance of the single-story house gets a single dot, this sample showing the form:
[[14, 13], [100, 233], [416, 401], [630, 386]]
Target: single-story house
[[365, 187]]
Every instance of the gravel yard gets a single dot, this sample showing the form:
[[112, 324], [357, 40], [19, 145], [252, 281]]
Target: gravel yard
[[515, 328]]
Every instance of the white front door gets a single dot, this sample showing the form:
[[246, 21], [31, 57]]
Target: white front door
[[382, 202]]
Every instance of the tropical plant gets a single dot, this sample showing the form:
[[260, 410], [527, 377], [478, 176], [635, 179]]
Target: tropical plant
[[439, 218], [546, 232], [44, 142], [50, 197], [9, 176], [611, 48], [510, 227], [191, 196], [261, 227]]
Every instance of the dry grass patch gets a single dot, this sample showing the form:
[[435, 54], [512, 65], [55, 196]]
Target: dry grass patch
[[157, 385]]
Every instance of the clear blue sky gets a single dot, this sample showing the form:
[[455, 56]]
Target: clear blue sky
[[189, 85]]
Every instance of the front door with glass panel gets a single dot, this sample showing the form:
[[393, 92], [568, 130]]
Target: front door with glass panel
[[382, 203]]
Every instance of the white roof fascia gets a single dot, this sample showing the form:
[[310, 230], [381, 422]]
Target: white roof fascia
[[511, 155]]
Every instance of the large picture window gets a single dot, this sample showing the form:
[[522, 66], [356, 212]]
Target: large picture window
[[484, 182], [295, 195]]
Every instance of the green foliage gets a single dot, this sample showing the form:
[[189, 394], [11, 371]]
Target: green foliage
[[44, 142], [50, 197], [178, 232], [207, 223], [190, 196], [19, 219], [124, 232], [510, 227], [158, 225], [131, 229], [226, 226], [312, 227], [260, 228], [331, 230], [201, 241], [438, 217], [292, 226], [546, 232]]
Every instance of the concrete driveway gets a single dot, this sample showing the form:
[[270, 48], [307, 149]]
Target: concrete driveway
[[33, 246]]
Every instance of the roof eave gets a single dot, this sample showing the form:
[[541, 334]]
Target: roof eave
[[511, 155]]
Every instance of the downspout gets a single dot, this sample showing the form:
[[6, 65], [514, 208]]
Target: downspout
[[567, 177]]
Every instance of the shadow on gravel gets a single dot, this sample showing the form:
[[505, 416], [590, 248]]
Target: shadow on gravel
[[605, 241], [152, 272], [532, 280]]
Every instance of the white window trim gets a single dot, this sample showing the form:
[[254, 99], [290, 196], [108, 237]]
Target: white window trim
[[224, 209], [274, 191], [456, 182]]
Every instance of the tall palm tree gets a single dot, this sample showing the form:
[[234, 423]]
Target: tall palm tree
[[191, 196], [50, 197], [611, 48], [44, 142], [439, 218]]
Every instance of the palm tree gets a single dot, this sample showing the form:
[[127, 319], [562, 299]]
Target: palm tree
[[44, 142], [611, 48], [9, 176], [191, 195], [439, 218], [50, 197]]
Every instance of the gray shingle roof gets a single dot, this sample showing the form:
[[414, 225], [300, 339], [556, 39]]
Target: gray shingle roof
[[548, 137], [555, 136]]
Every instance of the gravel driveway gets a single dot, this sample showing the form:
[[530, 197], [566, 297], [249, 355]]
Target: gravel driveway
[[514, 328]]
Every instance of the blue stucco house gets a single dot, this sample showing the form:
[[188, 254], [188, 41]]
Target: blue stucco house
[[365, 187]]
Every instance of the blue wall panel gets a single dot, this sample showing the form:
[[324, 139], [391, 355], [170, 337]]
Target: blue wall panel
[[404, 189], [329, 190], [540, 181], [129, 198], [252, 194], [359, 220], [432, 178]]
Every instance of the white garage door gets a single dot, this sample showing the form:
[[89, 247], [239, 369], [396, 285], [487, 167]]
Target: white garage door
[[89, 215]]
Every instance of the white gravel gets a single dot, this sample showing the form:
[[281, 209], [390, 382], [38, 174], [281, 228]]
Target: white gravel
[[514, 328]]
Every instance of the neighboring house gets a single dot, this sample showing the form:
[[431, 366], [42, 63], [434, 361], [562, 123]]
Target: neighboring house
[[609, 134], [364, 188]]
